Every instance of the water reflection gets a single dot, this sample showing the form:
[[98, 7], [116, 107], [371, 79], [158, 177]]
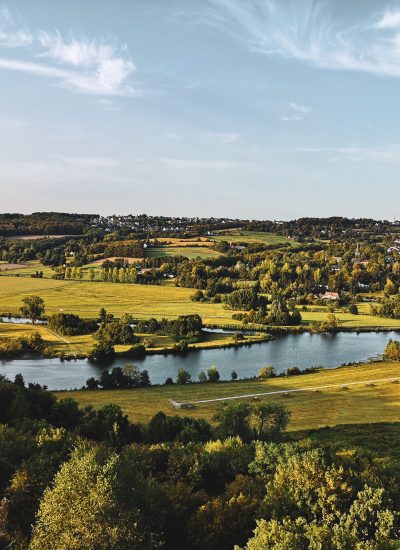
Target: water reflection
[[292, 350]]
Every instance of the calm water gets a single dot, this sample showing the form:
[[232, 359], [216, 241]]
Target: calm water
[[20, 320], [294, 350]]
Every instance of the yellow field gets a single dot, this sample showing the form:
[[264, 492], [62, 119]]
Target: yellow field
[[26, 270], [171, 241], [364, 403], [85, 299], [144, 301], [190, 252], [347, 320], [251, 237]]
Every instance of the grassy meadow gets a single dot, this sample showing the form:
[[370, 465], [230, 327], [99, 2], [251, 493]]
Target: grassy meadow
[[142, 301], [190, 252], [25, 270], [251, 237], [311, 409], [86, 298], [363, 320]]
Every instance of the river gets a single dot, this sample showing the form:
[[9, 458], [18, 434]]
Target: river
[[290, 350]]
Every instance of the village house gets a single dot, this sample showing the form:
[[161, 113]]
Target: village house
[[331, 296]]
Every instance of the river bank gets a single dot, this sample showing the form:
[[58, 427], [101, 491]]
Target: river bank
[[359, 394], [284, 351]]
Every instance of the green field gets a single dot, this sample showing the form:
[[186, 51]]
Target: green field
[[26, 270], [85, 299], [347, 320], [364, 403], [251, 237], [143, 301], [190, 252]]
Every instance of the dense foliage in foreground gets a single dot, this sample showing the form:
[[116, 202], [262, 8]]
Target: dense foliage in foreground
[[77, 478]]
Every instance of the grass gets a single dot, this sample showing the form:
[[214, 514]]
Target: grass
[[347, 320], [252, 237], [26, 270], [143, 301], [78, 344], [39, 237], [85, 299], [187, 251], [310, 410]]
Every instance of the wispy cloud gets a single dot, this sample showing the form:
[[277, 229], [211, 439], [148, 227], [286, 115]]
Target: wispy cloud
[[83, 65], [11, 123], [173, 136], [386, 154], [9, 36], [389, 20], [224, 137], [318, 33], [208, 164], [295, 112], [90, 162]]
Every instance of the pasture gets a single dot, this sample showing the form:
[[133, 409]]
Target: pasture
[[251, 237], [38, 237], [347, 320], [26, 269], [311, 409], [190, 252], [143, 301], [86, 298]]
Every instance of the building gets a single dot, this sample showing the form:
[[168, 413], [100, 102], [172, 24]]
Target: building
[[331, 296]]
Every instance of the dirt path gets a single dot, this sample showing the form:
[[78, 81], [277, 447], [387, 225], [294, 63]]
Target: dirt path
[[313, 388], [58, 336]]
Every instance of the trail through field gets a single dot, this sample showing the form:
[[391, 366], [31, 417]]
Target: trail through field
[[59, 336], [312, 388]]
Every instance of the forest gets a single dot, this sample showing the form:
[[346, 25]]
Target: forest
[[74, 478]]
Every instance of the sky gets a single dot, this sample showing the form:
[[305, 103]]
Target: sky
[[257, 109]]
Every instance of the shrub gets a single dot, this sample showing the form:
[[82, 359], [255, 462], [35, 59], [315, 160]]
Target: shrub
[[183, 376], [69, 324]]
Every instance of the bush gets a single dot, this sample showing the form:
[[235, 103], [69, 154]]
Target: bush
[[213, 374], [392, 350], [202, 377], [102, 351], [293, 371], [266, 372], [116, 332], [353, 309], [198, 296], [69, 324], [183, 376]]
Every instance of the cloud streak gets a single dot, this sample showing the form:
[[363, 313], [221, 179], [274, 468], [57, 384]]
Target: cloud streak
[[385, 154], [206, 164], [90, 162], [295, 112], [317, 33], [79, 64], [225, 137]]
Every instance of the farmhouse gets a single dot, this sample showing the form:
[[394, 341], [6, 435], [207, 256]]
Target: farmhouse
[[331, 296]]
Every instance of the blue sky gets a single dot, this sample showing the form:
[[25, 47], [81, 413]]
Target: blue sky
[[254, 109]]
